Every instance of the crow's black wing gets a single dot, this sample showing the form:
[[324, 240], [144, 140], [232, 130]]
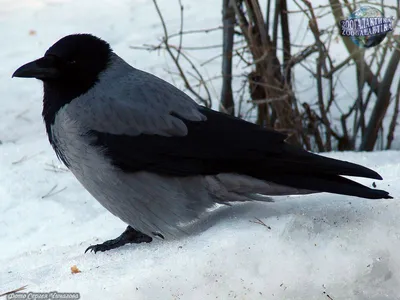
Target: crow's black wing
[[225, 144]]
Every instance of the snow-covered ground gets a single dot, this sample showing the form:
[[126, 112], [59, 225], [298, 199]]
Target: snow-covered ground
[[315, 247]]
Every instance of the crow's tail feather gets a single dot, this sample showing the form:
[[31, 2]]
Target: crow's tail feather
[[331, 184]]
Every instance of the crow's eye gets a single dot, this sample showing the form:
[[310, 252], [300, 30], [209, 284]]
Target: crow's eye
[[72, 62]]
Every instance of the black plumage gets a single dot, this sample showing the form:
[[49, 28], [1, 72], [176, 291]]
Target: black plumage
[[225, 144]]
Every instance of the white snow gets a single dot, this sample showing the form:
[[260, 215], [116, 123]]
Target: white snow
[[316, 246]]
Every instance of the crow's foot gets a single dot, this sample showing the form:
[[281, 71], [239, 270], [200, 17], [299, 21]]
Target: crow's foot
[[130, 235]]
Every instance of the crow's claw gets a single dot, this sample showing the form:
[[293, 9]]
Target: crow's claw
[[130, 235]]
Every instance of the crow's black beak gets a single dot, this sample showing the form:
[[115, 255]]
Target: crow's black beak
[[42, 68]]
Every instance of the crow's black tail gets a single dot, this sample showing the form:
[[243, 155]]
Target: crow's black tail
[[305, 170], [331, 184]]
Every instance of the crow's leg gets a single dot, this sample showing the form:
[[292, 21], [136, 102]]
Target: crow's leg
[[130, 235]]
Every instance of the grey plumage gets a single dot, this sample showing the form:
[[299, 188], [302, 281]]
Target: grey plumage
[[109, 107], [147, 201]]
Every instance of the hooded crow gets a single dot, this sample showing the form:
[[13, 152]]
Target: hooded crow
[[156, 159]]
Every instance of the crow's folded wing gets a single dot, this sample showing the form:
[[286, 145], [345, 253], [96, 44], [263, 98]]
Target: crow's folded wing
[[134, 103], [159, 129], [220, 144]]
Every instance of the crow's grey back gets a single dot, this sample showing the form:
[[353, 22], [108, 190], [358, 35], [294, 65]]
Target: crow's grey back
[[129, 101]]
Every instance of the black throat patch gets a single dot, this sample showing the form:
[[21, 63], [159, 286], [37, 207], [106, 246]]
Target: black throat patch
[[80, 59]]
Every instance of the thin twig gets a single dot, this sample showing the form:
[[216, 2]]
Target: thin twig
[[56, 169], [208, 101], [269, 100], [14, 291], [181, 29], [195, 31], [342, 64], [153, 47], [258, 221], [52, 192], [21, 116], [178, 66], [25, 158], [210, 60]]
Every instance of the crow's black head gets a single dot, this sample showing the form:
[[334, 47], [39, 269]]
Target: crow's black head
[[74, 60], [68, 69]]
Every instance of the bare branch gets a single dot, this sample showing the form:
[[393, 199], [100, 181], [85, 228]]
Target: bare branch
[[297, 58], [206, 102], [269, 100], [342, 64], [195, 31], [286, 43], [181, 29], [275, 25], [228, 20], [382, 102], [393, 122]]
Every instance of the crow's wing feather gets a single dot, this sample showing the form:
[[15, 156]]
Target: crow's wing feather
[[223, 144], [133, 103], [143, 123], [219, 144]]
